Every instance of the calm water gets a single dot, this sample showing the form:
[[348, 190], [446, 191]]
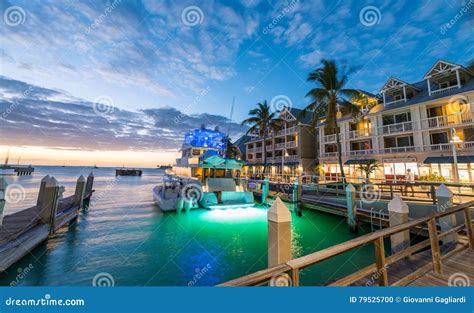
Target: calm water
[[126, 236]]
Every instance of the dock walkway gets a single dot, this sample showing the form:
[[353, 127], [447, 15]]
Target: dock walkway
[[425, 263], [23, 231]]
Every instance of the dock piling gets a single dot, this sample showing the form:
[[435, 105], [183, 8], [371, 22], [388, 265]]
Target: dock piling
[[41, 190], [49, 203], [3, 188], [398, 214], [351, 208], [89, 184], [265, 190], [279, 233], [80, 192], [444, 199]]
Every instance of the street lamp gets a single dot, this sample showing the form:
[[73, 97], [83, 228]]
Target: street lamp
[[454, 140]]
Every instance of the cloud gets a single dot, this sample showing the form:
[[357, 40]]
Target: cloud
[[35, 120]]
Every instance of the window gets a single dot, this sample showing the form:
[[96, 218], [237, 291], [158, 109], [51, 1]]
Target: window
[[360, 145], [443, 85], [405, 141], [397, 118], [439, 138], [397, 97], [394, 142], [435, 111]]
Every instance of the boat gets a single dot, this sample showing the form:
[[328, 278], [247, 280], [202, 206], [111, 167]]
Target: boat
[[164, 167], [203, 177], [127, 172]]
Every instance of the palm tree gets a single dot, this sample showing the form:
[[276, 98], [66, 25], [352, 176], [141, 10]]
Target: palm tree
[[329, 98], [368, 168], [262, 121]]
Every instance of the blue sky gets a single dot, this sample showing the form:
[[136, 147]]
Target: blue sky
[[152, 55]]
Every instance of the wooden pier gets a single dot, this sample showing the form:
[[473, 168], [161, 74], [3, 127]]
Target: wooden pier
[[424, 263], [22, 231], [23, 171], [127, 172]]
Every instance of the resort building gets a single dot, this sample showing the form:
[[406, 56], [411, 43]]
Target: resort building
[[291, 150], [426, 126]]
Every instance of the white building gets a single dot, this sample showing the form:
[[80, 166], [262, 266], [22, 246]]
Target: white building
[[417, 126]]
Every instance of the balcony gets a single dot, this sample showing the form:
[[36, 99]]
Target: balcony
[[329, 138], [400, 149], [443, 90], [360, 152], [289, 130], [469, 145], [283, 145], [360, 133], [290, 158], [394, 101], [449, 120], [329, 154], [397, 128]]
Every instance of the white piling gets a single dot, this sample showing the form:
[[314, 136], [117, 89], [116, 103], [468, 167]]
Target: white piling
[[279, 233], [444, 198], [351, 208], [398, 214]]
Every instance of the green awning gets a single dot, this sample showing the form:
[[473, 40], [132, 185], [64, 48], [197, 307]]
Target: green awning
[[449, 160], [354, 161]]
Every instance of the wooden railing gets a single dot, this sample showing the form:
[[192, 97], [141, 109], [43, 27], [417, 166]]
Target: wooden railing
[[292, 268]]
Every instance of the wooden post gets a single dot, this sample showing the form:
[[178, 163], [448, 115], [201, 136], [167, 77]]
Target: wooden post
[[435, 253], [49, 203], [351, 208], [265, 190], [398, 214], [380, 261], [433, 193], [79, 193], [298, 194], [3, 188], [469, 231], [41, 190], [279, 233], [89, 185], [444, 198]]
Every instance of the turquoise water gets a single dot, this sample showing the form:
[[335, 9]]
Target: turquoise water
[[125, 237]]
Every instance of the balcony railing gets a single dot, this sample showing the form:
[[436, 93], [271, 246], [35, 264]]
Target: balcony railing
[[360, 152], [290, 158], [289, 144], [397, 128], [289, 130], [469, 145], [442, 90], [400, 149], [360, 133], [394, 101], [449, 120], [329, 138]]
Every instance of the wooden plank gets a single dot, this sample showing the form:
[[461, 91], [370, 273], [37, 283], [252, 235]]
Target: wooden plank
[[435, 253], [468, 223], [350, 279], [255, 278], [17, 249], [380, 261]]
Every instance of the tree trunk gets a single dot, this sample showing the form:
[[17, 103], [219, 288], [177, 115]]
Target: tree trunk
[[339, 150], [264, 156]]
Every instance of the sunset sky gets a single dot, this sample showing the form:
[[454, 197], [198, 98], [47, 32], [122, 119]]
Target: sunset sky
[[120, 82]]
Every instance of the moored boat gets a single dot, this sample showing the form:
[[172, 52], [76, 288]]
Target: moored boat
[[203, 177]]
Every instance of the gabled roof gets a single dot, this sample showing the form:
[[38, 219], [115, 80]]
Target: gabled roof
[[442, 66], [393, 83]]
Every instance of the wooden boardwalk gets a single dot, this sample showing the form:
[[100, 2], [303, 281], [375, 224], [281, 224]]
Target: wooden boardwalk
[[424, 263], [459, 266], [23, 231]]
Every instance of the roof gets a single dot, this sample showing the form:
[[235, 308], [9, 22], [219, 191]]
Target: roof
[[449, 160], [423, 95]]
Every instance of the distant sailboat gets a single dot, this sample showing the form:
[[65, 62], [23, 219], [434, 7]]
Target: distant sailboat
[[95, 166]]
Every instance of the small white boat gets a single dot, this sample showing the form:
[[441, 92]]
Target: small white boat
[[202, 177]]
